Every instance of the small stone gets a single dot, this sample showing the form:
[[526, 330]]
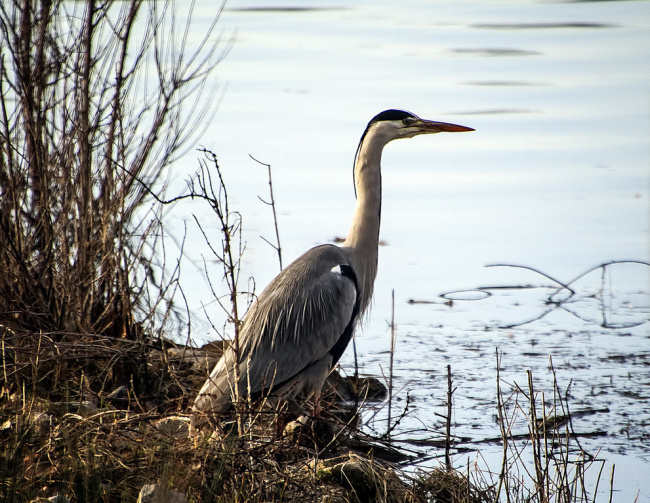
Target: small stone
[[119, 393], [154, 493], [57, 498], [174, 426], [353, 476], [296, 426], [87, 407]]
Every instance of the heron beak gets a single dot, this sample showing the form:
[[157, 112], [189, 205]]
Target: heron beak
[[441, 127]]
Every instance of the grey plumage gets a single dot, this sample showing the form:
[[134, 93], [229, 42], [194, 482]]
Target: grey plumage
[[288, 332], [299, 326]]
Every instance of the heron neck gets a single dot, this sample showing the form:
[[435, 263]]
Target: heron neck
[[363, 237]]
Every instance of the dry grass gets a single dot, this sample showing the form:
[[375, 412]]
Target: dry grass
[[63, 430]]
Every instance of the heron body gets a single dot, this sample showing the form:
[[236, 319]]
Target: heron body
[[298, 328]]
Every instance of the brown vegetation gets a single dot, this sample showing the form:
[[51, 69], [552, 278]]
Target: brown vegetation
[[68, 427]]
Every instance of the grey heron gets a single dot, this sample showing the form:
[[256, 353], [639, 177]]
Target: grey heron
[[298, 328]]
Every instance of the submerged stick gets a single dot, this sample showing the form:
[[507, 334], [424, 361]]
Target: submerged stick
[[450, 392], [393, 337]]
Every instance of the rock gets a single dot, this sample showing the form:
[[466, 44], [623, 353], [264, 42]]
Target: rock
[[174, 426], [84, 408], [154, 493], [368, 389], [353, 475]]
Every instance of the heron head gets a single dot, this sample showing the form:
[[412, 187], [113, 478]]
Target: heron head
[[395, 124]]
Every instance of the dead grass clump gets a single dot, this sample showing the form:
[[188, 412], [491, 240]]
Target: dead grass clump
[[364, 478], [62, 426], [440, 485], [67, 369], [77, 420]]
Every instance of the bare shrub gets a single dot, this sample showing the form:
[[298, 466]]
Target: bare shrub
[[97, 100]]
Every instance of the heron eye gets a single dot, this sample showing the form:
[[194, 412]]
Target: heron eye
[[408, 122]]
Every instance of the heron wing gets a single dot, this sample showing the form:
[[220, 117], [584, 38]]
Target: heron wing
[[306, 314]]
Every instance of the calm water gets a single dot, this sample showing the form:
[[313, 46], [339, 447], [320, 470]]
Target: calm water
[[556, 177]]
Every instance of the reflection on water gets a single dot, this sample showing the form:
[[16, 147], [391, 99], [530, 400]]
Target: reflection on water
[[495, 52], [598, 305], [501, 83], [526, 26]]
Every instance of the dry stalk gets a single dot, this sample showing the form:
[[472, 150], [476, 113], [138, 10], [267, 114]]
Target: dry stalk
[[271, 203], [505, 434], [559, 462], [393, 339], [448, 420], [538, 459]]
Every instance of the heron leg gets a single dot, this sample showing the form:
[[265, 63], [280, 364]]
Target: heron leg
[[317, 409]]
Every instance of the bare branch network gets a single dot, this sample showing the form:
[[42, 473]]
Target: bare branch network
[[97, 100]]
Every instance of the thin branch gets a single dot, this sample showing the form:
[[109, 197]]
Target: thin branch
[[271, 203]]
